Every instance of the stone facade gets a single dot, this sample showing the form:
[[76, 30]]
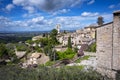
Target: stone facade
[[82, 36], [108, 47], [116, 41]]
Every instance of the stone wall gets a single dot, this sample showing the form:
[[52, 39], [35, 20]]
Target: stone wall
[[116, 41], [104, 46], [108, 47]]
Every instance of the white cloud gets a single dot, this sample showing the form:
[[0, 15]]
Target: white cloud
[[42, 23], [9, 7], [38, 20], [48, 5], [91, 2], [112, 6], [86, 14], [60, 12], [31, 15], [34, 24], [30, 9], [19, 2]]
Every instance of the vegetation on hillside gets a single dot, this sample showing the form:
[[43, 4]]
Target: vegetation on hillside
[[92, 48], [69, 42], [7, 52], [68, 54], [45, 73]]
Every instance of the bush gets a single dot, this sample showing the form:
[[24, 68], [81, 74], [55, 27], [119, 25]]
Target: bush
[[45, 73], [82, 58], [92, 48], [68, 54], [49, 63], [21, 47]]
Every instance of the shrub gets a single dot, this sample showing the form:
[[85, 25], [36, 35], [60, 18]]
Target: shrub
[[21, 47], [68, 54], [46, 73], [92, 48], [82, 58]]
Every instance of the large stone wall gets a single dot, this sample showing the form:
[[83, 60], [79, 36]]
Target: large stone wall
[[116, 41], [108, 47], [104, 46]]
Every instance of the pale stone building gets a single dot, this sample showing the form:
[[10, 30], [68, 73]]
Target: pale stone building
[[82, 36], [108, 47]]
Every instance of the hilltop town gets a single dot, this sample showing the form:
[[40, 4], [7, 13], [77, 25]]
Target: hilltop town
[[57, 49]]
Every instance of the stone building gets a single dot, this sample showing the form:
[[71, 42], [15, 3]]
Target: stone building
[[108, 47], [82, 36]]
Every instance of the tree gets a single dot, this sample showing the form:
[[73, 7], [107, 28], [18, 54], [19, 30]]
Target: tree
[[68, 54], [53, 35], [100, 20], [3, 51], [69, 42]]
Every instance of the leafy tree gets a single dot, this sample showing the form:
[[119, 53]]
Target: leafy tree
[[11, 49], [3, 51], [38, 49], [92, 48], [100, 20], [29, 41], [21, 47], [69, 42], [53, 35], [43, 41], [68, 54]]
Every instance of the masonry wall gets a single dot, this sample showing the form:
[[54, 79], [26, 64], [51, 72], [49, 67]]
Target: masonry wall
[[116, 41], [104, 46], [108, 47]]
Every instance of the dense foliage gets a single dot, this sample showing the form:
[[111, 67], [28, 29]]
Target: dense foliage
[[45, 73], [92, 48], [68, 54], [7, 52], [3, 51], [13, 39], [21, 47], [69, 42], [53, 35]]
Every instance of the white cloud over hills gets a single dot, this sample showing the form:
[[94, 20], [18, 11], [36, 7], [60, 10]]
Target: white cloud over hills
[[42, 23]]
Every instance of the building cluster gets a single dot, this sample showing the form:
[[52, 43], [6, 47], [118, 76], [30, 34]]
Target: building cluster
[[82, 36], [34, 59]]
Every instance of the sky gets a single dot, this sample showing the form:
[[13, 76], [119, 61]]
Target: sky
[[44, 15]]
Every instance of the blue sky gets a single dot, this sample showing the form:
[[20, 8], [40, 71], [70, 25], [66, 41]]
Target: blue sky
[[43, 15]]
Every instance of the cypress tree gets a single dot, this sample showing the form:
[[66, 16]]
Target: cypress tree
[[69, 42]]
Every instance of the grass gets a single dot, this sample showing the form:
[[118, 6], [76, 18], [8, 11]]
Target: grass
[[82, 58], [49, 63]]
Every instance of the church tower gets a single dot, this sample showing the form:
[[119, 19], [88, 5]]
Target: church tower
[[58, 28]]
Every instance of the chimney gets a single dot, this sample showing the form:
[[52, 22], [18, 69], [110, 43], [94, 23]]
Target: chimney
[[116, 18]]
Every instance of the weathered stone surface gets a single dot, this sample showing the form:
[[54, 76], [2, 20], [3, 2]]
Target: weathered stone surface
[[116, 41], [104, 46], [108, 47]]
